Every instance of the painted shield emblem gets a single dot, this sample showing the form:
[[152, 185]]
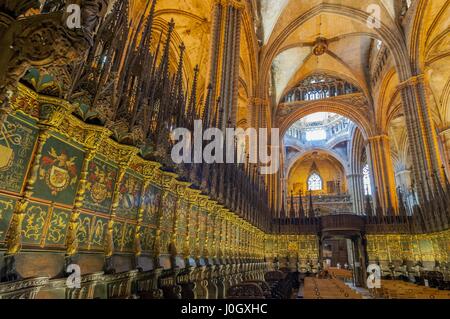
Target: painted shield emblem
[[128, 201], [58, 178], [98, 192]]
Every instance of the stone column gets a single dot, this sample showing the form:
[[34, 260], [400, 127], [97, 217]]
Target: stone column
[[421, 134], [230, 59], [224, 57], [216, 47], [445, 141], [383, 171], [356, 188]]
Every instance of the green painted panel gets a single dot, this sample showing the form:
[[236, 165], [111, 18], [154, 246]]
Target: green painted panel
[[148, 236], [181, 223], [84, 229], [202, 225], [6, 210], [117, 234], [57, 229], [193, 217], [166, 237], [99, 232], [17, 139], [168, 211], [152, 200], [33, 223], [99, 186], [128, 238], [426, 246], [58, 172], [182, 211], [91, 231], [129, 197]]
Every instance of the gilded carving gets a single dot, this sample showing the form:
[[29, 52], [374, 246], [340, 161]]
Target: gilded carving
[[59, 221], [14, 236]]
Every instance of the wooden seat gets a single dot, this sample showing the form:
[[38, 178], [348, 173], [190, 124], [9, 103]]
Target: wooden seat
[[328, 289], [395, 289], [340, 273], [245, 291], [264, 286]]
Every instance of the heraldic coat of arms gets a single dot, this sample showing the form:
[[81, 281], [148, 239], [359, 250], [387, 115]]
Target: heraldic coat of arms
[[58, 171], [100, 181]]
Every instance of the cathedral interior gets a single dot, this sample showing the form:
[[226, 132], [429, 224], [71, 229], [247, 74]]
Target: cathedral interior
[[93, 206]]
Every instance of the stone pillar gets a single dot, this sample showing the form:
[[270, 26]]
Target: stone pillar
[[383, 171], [356, 188], [224, 57], [421, 134], [445, 141], [216, 40], [230, 60]]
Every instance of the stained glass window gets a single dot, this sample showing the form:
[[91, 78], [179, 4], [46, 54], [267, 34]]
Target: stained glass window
[[314, 182]]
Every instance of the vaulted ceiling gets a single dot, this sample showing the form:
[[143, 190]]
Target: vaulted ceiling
[[192, 20], [291, 27]]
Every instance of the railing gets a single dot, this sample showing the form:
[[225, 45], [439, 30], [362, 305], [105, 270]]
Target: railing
[[319, 91], [369, 224], [332, 130], [323, 204], [342, 221]]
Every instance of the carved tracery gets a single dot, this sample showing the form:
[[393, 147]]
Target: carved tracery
[[319, 86]]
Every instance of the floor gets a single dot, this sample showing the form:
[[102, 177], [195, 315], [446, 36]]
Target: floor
[[298, 294], [362, 291]]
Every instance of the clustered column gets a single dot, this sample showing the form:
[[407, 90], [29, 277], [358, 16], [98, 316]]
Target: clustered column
[[356, 187], [421, 134], [383, 172], [445, 140], [224, 58]]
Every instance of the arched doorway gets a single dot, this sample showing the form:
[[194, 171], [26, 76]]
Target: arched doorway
[[342, 242]]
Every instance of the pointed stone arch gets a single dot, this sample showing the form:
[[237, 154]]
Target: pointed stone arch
[[338, 106]]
